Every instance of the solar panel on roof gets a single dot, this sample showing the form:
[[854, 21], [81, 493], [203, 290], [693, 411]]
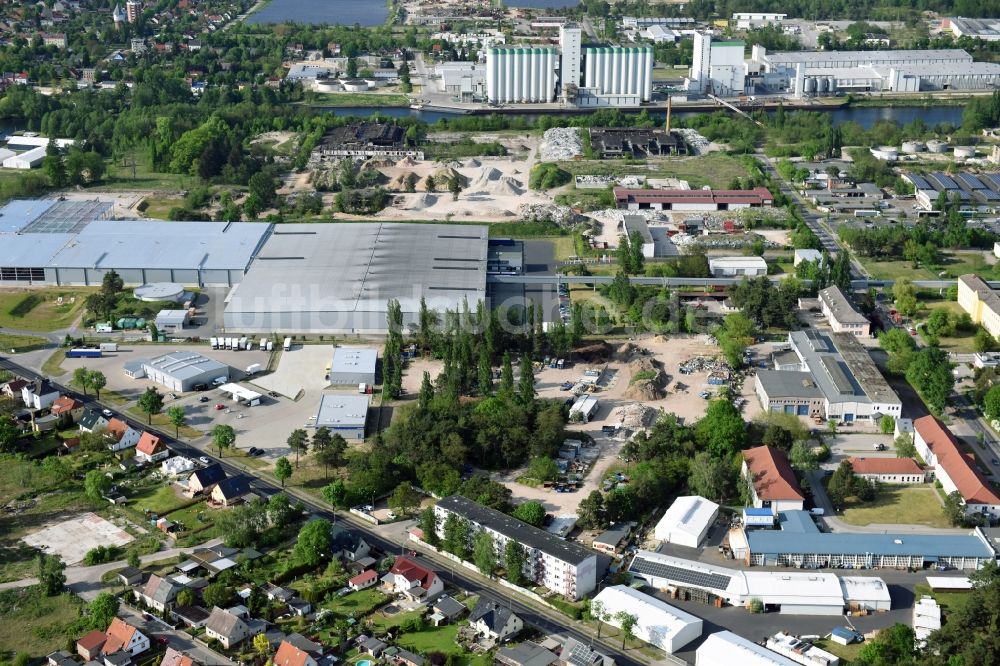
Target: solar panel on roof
[[684, 576], [970, 181], [944, 180], [987, 195], [991, 179], [919, 182]]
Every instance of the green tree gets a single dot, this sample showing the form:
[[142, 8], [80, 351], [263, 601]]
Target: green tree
[[298, 443], [428, 525], [591, 511], [177, 418], [186, 597], [905, 296], [930, 373], [223, 436], [484, 373], [456, 536], [722, 429], [261, 645], [314, 542], [133, 559], [81, 377], [96, 484], [626, 621], [328, 449], [54, 167], [734, 336], [454, 186], [514, 559], [841, 484], [102, 610], [404, 498], [484, 554], [532, 513], [150, 403], [217, 594], [887, 425], [282, 470], [894, 646], [336, 494], [430, 184], [526, 383], [51, 574], [802, 457], [426, 394], [506, 391], [710, 476], [904, 446], [598, 614], [97, 381], [9, 434], [543, 468], [983, 341]]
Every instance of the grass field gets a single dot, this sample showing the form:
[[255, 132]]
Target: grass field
[[916, 505], [40, 309], [440, 639], [142, 177], [949, 601], [53, 364], [35, 624], [158, 208], [21, 343], [160, 499], [847, 653], [357, 604], [955, 264], [715, 169]]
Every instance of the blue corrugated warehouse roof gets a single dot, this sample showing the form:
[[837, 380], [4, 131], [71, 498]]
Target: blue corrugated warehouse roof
[[773, 542], [19, 213], [797, 521], [754, 511]]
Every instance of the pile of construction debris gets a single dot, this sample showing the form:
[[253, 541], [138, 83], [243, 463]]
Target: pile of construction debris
[[561, 215], [560, 143], [697, 144], [634, 415]]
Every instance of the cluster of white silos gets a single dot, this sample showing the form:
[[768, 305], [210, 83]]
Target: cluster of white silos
[[521, 74], [619, 71], [818, 85]]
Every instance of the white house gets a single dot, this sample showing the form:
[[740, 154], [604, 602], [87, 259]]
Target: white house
[[771, 480], [494, 620], [38, 395], [123, 637], [125, 436], [227, 628], [659, 623], [687, 521], [412, 579], [150, 448]]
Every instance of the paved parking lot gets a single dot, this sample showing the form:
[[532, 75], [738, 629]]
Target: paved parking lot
[[302, 368]]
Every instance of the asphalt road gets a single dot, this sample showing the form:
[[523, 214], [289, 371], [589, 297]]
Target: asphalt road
[[546, 620]]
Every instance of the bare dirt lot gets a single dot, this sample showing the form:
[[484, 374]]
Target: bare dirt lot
[[71, 539]]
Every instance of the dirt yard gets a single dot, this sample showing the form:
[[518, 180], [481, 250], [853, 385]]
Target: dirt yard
[[71, 539]]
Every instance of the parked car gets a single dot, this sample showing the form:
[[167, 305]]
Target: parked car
[[204, 398], [107, 413], [219, 406], [204, 460]]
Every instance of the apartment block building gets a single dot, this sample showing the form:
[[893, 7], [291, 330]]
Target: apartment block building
[[557, 564], [981, 302]]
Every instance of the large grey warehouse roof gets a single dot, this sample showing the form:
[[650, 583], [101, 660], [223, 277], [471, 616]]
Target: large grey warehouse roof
[[337, 410], [513, 528], [353, 360], [342, 276], [791, 58], [786, 384], [157, 244], [185, 365], [778, 542], [31, 250]]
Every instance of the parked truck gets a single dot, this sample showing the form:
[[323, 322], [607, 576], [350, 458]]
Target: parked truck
[[108, 346], [254, 368], [288, 344], [82, 352]]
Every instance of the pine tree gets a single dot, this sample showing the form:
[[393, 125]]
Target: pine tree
[[484, 374], [426, 392], [526, 384], [506, 391]]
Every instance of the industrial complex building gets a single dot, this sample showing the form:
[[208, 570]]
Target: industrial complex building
[[720, 68], [585, 76], [981, 302], [316, 278], [69, 243], [843, 316], [828, 375], [799, 543], [659, 624], [352, 366], [561, 566], [724, 648], [344, 414], [737, 266], [976, 192], [955, 471], [986, 29], [792, 592], [364, 140], [636, 142], [692, 200], [178, 370]]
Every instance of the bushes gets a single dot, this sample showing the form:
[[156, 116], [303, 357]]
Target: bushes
[[546, 176]]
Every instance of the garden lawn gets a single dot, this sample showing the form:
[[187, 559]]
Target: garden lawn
[[847, 653], [358, 604], [915, 505], [159, 499], [35, 624], [40, 309], [949, 601], [440, 639]]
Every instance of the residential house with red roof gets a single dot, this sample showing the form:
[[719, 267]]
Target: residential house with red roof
[[150, 448], [888, 470], [363, 580], [954, 468], [413, 580], [67, 408], [174, 658], [125, 436], [121, 637], [289, 655], [771, 480]]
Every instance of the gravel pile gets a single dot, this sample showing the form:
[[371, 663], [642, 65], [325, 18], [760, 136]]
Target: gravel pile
[[560, 143], [561, 215]]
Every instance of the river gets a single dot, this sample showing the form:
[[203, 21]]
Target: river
[[346, 12], [864, 116]]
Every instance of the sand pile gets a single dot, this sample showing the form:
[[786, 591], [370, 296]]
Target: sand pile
[[648, 379], [625, 352], [485, 178], [423, 201], [407, 162], [443, 176], [508, 186]]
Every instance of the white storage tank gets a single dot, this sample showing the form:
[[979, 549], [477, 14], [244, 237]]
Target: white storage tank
[[964, 152], [936, 146], [821, 84], [913, 147]]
